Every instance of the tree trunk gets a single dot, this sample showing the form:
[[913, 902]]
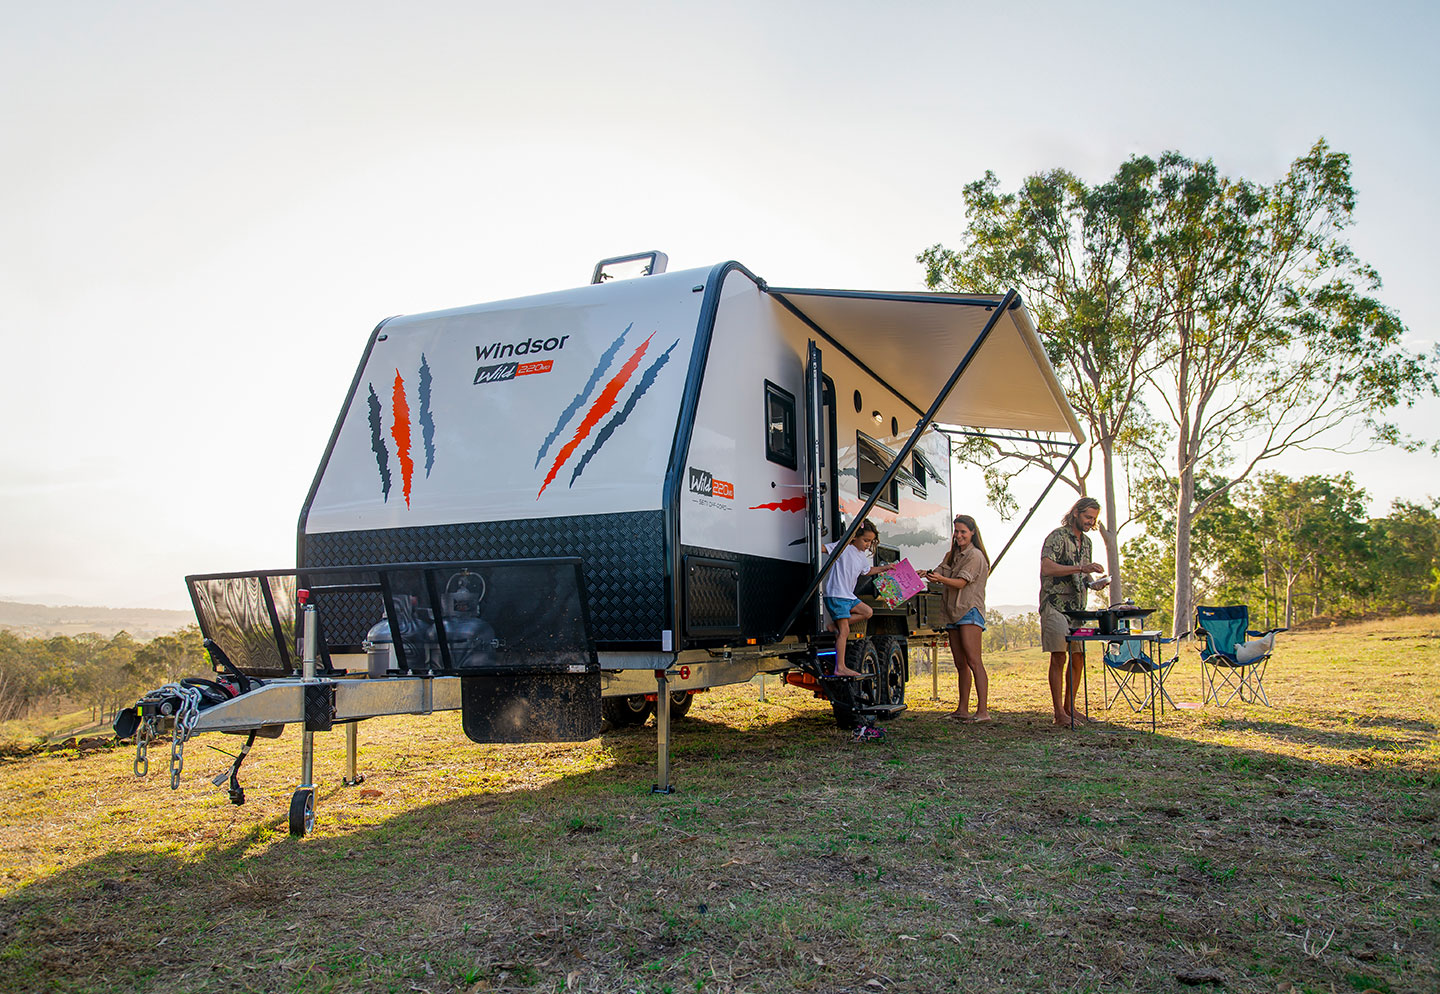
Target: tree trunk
[[1112, 543], [1269, 601], [1184, 606]]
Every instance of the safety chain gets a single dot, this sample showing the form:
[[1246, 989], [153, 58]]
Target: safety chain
[[185, 721], [187, 716], [143, 734]]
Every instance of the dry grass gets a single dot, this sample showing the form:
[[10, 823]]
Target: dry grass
[[1254, 849]]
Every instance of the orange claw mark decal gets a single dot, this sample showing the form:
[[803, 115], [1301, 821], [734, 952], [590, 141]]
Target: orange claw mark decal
[[788, 504], [598, 410], [400, 431]]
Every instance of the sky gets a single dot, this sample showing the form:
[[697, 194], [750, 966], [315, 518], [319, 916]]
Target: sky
[[206, 208]]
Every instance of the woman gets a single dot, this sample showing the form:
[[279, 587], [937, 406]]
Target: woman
[[963, 573]]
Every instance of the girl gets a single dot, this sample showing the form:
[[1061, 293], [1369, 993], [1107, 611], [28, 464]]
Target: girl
[[963, 573], [840, 599]]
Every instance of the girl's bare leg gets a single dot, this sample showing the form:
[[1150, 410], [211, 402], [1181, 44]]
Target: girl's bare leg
[[842, 639]]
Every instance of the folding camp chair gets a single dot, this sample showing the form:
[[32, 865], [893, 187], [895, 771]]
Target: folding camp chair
[[1134, 670], [1230, 667]]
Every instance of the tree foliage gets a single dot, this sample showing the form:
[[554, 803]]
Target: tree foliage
[[1078, 255], [1296, 549], [1225, 320], [103, 674], [1277, 341]]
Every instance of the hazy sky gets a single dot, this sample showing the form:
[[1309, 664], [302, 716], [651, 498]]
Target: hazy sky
[[205, 208]]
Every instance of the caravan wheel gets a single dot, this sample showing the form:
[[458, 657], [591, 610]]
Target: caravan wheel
[[622, 712], [890, 661], [680, 702], [859, 655]]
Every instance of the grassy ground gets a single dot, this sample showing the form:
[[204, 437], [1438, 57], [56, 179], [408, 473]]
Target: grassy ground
[[1244, 849], [35, 730]]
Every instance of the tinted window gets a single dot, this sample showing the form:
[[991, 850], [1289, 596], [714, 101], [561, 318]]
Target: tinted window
[[779, 425]]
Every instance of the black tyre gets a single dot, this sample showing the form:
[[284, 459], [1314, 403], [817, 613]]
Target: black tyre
[[622, 712], [859, 655], [890, 669], [302, 812], [680, 701]]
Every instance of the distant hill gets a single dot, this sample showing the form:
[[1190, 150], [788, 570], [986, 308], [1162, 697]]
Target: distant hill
[[1011, 610], [41, 620]]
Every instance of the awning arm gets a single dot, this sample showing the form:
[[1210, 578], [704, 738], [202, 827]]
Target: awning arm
[[1074, 448], [924, 423]]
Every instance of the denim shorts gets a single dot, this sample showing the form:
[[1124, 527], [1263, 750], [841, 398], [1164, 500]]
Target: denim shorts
[[839, 607], [972, 617]]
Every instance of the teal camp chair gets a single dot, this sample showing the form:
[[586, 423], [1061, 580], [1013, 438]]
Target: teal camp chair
[[1222, 630], [1137, 677]]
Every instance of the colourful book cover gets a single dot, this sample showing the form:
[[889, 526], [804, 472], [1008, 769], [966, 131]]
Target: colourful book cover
[[898, 585]]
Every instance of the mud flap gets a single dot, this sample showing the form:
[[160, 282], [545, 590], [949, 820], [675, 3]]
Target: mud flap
[[530, 707]]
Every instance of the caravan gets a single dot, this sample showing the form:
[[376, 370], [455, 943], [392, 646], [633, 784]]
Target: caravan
[[599, 501]]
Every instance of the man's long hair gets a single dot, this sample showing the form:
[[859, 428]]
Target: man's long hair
[[1072, 516]]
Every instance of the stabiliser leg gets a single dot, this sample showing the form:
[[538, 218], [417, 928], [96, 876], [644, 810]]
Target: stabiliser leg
[[662, 735], [352, 747], [302, 802]]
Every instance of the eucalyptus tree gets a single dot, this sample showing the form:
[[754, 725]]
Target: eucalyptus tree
[[1276, 339], [1078, 255], [1312, 538]]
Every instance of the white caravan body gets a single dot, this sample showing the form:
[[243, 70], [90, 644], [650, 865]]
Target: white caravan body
[[661, 430]]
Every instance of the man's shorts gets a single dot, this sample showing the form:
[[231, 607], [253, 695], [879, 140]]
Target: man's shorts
[[1055, 633], [839, 607]]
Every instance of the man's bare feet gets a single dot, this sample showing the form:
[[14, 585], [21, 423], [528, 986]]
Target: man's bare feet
[[841, 670], [1063, 720], [959, 715], [981, 716]]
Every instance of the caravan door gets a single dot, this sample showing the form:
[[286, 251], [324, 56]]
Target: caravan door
[[822, 495]]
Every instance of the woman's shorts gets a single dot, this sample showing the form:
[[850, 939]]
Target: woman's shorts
[[839, 607], [1055, 633], [972, 617]]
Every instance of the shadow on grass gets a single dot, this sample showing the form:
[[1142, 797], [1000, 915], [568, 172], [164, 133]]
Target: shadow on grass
[[791, 858], [1339, 738]]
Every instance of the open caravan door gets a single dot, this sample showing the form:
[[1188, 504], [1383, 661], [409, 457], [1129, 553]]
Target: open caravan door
[[972, 362]]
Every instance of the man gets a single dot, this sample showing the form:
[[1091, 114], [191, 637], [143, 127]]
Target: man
[[1065, 562]]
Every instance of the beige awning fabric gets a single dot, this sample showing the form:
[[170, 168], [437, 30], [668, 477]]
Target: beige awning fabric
[[915, 341]]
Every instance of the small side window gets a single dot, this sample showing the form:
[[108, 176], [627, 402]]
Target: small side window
[[779, 425], [917, 467]]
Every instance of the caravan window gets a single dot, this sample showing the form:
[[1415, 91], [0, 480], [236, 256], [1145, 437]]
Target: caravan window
[[873, 459], [779, 425], [921, 477]]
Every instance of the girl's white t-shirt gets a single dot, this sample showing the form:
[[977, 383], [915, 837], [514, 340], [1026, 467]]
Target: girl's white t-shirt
[[841, 580]]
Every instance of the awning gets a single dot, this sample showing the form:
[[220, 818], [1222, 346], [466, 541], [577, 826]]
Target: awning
[[913, 341]]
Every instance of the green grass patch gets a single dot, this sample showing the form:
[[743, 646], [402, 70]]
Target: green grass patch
[[1288, 848]]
